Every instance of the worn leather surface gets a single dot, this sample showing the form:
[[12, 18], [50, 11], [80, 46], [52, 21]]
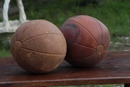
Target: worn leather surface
[[87, 40], [38, 46]]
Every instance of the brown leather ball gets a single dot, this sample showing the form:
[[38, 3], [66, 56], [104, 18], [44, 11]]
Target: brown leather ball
[[87, 40], [38, 46]]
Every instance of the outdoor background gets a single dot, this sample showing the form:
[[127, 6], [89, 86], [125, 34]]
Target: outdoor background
[[115, 14]]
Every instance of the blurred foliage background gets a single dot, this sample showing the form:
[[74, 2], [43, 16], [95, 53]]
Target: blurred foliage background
[[115, 14]]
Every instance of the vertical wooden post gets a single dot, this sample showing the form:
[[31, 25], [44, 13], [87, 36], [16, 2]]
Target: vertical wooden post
[[5, 14], [22, 15]]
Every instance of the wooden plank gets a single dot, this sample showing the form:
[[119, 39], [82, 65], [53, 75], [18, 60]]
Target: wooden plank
[[114, 69]]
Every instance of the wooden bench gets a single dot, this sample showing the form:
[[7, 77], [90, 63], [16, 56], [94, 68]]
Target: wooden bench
[[114, 69]]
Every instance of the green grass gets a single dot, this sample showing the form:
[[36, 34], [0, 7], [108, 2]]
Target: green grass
[[5, 44], [5, 53], [115, 14]]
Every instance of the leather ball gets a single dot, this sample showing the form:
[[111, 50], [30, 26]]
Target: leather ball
[[87, 40], [38, 46]]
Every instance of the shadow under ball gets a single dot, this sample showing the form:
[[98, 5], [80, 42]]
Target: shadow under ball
[[87, 40], [38, 46]]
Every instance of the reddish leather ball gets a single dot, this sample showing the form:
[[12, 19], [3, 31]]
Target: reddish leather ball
[[38, 46], [87, 40]]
